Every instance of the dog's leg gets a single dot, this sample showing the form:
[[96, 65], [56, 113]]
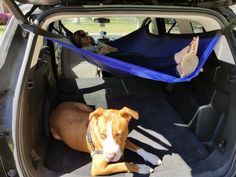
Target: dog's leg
[[101, 167], [153, 159]]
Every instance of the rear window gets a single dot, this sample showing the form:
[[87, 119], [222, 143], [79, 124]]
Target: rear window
[[113, 27], [175, 26], [197, 28], [171, 26]]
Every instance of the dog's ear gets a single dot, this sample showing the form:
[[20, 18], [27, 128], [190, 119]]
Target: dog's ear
[[96, 113], [129, 113]]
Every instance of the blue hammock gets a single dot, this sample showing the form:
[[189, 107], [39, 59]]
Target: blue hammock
[[147, 45]]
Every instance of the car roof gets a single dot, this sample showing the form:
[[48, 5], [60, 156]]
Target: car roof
[[192, 3]]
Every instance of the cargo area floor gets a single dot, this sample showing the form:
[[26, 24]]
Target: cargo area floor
[[159, 129]]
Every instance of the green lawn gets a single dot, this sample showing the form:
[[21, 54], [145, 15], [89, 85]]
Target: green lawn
[[114, 28], [93, 28], [1, 29]]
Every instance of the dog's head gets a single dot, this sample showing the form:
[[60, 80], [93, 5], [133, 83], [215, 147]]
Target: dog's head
[[112, 129]]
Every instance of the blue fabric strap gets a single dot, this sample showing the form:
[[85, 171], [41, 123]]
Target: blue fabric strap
[[149, 46]]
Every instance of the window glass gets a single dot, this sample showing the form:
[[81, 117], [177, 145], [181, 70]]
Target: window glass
[[197, 27], [151, 28], [113, 27], [4, 17], [234, 32], [171, 26]]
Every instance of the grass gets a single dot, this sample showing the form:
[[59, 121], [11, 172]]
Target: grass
[[116, 27], [111, 28], [2, 28]]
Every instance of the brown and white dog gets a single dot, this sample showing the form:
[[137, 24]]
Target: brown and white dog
[[102, 133]]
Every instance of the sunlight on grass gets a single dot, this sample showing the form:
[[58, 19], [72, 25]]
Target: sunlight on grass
[[109, 28], [2, 28], [116, 25]]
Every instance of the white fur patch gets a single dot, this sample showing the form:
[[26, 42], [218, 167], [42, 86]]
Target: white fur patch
[[144, 169], [153, 159], [109, 145]]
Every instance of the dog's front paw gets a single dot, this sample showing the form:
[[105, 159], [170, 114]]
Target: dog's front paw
[[153, 159], [144, 169]]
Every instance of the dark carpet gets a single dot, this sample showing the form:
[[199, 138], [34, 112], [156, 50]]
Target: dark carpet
[[159, 130]]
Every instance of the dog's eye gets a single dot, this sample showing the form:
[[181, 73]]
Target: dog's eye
[[118, 134], [103, 136]]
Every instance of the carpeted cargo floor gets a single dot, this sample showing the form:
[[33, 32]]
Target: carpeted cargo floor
[[159, 130]]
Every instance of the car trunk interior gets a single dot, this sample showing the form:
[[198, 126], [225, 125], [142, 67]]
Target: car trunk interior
[[189, 125], [182, 123], [185, 124]]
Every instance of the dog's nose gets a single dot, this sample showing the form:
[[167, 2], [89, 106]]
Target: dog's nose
[[110, 156]]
